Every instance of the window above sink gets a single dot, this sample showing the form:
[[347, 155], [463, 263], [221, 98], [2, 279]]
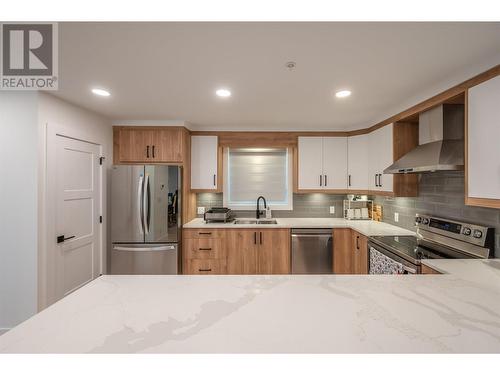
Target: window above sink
[[251, 172]]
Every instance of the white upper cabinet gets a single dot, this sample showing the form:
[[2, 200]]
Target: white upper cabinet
[[204, 162], [380, 157], [357, 162], [335, 162], [310, 163], [483, 145], [322, 163]]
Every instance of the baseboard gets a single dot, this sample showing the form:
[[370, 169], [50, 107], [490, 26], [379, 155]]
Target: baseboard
[[3, 330]]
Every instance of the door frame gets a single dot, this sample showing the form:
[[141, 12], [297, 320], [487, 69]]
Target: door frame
[[46, 210]]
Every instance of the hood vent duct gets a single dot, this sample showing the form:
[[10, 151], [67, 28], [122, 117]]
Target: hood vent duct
[[441, 142]]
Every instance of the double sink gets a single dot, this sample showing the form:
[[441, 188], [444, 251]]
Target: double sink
[[255, 221]]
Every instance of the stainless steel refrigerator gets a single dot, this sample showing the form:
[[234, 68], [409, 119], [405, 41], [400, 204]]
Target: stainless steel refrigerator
[[145, 219]]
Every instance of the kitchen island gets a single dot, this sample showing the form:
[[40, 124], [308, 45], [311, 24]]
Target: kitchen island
[[454, 312]]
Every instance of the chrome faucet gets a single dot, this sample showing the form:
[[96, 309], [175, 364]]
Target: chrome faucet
[[258, 210]]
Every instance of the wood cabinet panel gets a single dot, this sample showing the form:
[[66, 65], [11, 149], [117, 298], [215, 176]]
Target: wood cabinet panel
[[359, 253], [204, 233], [342, 251], [134, 145], [273, 251], [426, 270], [167, 145], [204, 248], [206, 267], [241, 245]]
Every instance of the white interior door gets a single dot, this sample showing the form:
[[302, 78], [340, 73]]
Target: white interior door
[[310, 163], [75, 180], [335, 162]]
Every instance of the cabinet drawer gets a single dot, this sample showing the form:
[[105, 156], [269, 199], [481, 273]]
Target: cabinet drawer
[[203, 248], [203, 233], [205, 267]]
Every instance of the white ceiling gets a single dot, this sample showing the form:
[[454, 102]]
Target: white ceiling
[[170, 71]]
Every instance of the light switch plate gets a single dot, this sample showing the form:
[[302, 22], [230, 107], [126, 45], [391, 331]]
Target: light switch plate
[[396, 217], [332, 209], [201, 210]]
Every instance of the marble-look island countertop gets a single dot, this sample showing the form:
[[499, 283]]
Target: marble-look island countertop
[[454, 312], [366, 227]]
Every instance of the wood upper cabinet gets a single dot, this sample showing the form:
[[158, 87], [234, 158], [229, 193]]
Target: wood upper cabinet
[[357, 162], [482, 144], [147, 145], [253, 251], [322, 163], [204, 163], [359, 253]]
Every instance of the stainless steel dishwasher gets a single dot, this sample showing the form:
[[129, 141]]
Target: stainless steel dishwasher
[[312, 251]]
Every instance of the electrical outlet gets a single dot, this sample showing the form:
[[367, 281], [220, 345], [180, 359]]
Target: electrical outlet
[[332, 209], [396, 217], [201, 210]]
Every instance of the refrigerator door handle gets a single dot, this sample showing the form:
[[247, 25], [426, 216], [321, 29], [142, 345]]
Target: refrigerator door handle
[[145, 203], [140, 192], [153, 248]]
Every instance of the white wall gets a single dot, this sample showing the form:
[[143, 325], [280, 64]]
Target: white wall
[[75, 122], [18, 206]]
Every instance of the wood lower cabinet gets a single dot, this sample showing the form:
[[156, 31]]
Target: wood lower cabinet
[[426, 270], [359, 253], [350, 252], [204, 251], [342, 251], [148, 145], [236, 251]]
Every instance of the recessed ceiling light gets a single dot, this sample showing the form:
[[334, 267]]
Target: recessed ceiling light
[[100, 92], [342, 94], [223, 93]]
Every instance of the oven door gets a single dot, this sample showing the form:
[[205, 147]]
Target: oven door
[[383, 262]]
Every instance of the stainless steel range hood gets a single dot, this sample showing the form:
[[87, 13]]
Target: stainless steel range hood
[[441, 142]]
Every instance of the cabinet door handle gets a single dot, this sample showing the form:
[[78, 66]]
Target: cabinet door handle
[[215, 180], [380, 180], [204, 269], [147, 152], [260, 235], [205, 248], [326, 180], [205, 233], [255, 238], [349, 180], [357, 242], [320, 180], [153, 149], [376, 180]]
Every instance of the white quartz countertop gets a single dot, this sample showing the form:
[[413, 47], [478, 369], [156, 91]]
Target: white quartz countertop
[[366, 227], [455, 312]]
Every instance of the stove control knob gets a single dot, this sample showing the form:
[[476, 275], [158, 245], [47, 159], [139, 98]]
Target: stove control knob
[[425, 221], [467, 231], [418, 219], [478, 234]]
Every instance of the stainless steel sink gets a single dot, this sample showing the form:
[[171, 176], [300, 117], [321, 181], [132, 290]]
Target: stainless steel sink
[[254, 221], [267, 221], [245, 221]]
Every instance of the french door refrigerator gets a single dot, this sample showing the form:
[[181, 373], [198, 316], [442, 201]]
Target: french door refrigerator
[[145, 219]]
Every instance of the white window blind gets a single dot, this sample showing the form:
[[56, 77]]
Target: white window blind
[[251, 172]]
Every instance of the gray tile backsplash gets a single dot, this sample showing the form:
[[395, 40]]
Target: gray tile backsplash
[[440, 194], [304, 205]]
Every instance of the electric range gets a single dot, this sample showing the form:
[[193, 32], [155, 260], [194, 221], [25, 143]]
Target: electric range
[[436, 238]]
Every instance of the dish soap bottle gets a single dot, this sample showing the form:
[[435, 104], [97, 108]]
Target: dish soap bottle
[[268, 212]]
